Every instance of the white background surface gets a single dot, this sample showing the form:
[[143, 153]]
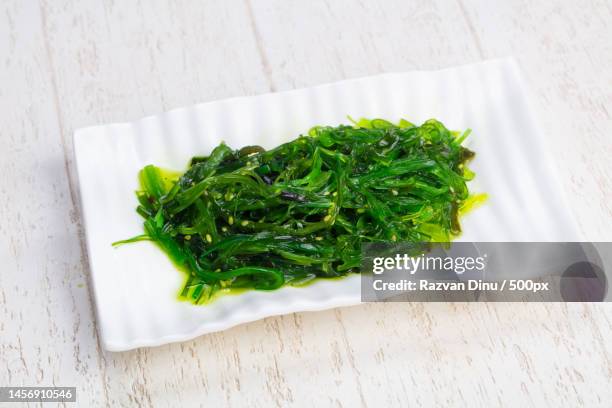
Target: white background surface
[[65, 65]]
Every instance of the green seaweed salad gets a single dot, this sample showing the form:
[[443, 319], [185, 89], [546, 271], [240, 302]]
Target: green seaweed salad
[[260, 219]]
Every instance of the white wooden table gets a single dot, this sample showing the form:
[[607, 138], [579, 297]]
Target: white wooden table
[[67, 64]]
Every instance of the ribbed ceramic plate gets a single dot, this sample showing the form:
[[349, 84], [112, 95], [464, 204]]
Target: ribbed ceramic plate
[[136, 286]]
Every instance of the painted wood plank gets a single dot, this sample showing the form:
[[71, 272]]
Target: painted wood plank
[[68, 64]]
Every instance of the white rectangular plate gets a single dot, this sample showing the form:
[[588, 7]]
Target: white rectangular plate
[[136, 286]]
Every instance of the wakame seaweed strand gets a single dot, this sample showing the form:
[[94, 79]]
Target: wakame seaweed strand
[[257, 219]]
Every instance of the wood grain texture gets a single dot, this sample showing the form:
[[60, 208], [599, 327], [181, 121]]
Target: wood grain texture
[[67, 64]]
